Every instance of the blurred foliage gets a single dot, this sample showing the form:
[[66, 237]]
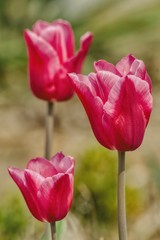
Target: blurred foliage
[[153, 167], [154, 170], [95, 188], [13, 220]]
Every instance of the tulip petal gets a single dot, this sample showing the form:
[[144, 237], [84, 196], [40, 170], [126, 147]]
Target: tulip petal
[[54, 35], [127, 112], [19, 178], [92, 103], [33, 181], [63, 86], [68, 36], [75, 63], [43, 65], [103, 82], [42, 166], [103, 65], [124, 65], [39, 26], [62, 163], [55, 196], [138, 69]]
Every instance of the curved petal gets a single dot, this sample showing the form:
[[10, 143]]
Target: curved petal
[[93, 105], [19, 178], [42, 166], [103, 65], [62, 163], [124, 65], [54, 35], [138, 69], [105, 81], [68, 36], [39, 26], [33, 181], [33, 184], [127, 112], [43, 65], [55, 196], [75, 63]]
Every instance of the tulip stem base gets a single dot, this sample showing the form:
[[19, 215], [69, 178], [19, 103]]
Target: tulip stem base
[[49, 129], [122, 224], [48, 145], [53, 231]]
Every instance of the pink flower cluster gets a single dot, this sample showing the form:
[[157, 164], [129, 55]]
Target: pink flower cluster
[[117, 100]]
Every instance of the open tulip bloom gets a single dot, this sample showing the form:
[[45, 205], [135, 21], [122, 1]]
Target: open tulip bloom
[[47, 186], [118, 102], [51, 57]]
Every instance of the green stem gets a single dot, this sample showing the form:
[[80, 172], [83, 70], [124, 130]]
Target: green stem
[[122, 225], [53, 231], [49, 129], [48, 148]]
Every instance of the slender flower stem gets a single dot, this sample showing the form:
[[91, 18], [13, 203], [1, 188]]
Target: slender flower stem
[[122, 225], [53, 231], [48, 148], [49, 129]]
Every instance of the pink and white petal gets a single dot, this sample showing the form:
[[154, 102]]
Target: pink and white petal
[[62, 163], [103, 65], [83, 83], [105, 81], [148, 79], [124, 65], [75, 63], [43, 65], [33, 184], [57, 157], [19, 178], [39, 46], [33, 181], [39, 26], [138, 69], [144, 96], [54, 35], [124, 112], [68, 35], [92, 103], [42, 166], [56, 196]]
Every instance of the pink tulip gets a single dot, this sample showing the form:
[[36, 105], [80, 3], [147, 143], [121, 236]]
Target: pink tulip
[[118, 102], [51, 57], [47, 186]]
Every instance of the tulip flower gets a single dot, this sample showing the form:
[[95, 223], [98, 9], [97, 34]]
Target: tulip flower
[[51, 56], [117, 100], [47, 186]]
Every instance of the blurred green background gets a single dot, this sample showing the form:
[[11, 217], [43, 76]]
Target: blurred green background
[[119, 28]]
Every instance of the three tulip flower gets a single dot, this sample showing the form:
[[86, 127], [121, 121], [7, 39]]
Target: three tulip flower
[[117, 100]]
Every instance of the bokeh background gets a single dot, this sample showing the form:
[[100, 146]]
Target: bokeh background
[[119, 28]]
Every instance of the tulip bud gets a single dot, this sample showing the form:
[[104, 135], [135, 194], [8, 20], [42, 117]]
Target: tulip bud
[[51, 56]]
